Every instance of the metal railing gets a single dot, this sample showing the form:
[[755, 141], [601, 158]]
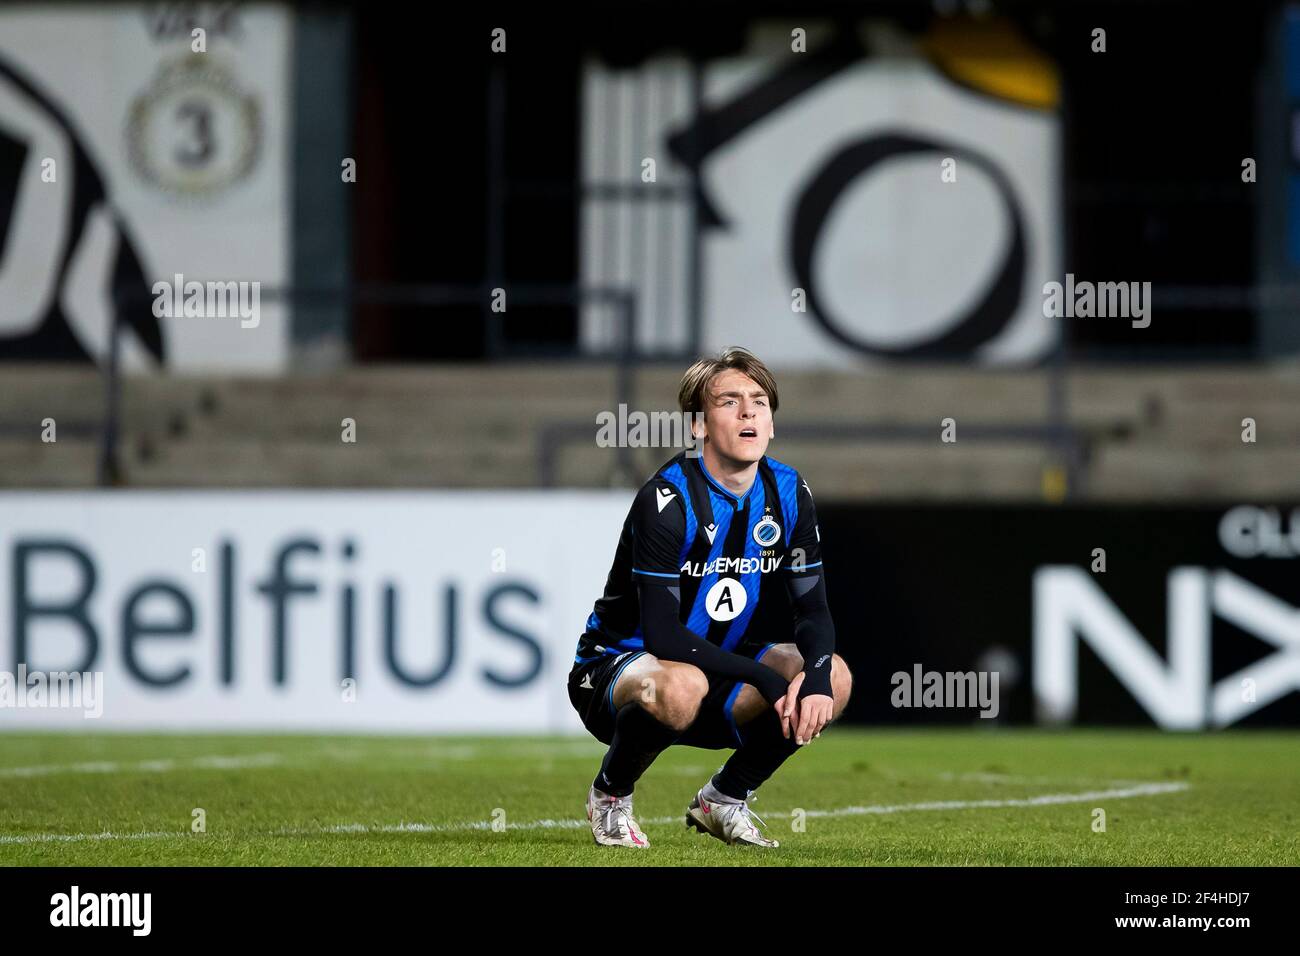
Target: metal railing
[[625, 355]]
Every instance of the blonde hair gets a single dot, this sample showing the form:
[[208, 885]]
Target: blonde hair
[[691, 393]]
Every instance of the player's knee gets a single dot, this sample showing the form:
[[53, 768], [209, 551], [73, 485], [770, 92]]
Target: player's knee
[[675, 696], [785, 659], [841, 683]]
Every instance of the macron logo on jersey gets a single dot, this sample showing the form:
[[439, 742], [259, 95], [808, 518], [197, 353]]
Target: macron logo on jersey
[[665, 496], [711, 530]]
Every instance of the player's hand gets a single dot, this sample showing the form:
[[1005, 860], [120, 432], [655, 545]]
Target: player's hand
[[787, 708], [815, 712]]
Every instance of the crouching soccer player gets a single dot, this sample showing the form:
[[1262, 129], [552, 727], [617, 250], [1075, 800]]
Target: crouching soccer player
[[713, 630]]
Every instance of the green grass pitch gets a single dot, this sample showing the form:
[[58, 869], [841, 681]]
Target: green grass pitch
[[864, 797]]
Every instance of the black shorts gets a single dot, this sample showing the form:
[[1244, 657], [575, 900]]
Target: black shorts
[[591, 691]]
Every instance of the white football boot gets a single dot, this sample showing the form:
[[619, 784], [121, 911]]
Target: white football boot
[[612, 823], [730, 822]]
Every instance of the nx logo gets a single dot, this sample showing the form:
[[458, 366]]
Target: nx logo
[[1177, 693]]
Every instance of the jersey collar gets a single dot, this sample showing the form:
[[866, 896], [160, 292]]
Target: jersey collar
[[722, 489]]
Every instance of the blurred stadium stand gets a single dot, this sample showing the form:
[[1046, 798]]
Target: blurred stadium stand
[[542, 188], [1145, 434]]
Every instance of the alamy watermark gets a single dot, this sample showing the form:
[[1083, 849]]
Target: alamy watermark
[[1102, 300], [638, 429], [959, 689], [63, 690], [208, 300], [75, 908]]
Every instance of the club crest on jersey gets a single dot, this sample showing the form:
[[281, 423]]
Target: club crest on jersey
[[767, 532], [726, 599]]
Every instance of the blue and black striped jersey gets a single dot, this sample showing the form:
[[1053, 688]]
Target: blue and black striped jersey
[[728, 555]]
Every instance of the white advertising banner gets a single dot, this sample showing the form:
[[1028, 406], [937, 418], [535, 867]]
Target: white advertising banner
[[145, 144], [333, 611]]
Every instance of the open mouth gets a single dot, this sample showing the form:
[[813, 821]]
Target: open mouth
[[748, 433]]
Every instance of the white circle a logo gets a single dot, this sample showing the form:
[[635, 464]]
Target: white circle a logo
[[725, 599]]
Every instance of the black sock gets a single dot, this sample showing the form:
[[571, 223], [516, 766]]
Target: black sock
[[763, 751], [638, 739]]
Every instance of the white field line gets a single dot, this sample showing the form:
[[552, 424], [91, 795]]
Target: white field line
[[214, 762], [1007, 778], [1050, 799], [467, 752], [578, 749]]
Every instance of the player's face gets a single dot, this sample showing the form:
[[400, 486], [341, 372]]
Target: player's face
[[737, 417]]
